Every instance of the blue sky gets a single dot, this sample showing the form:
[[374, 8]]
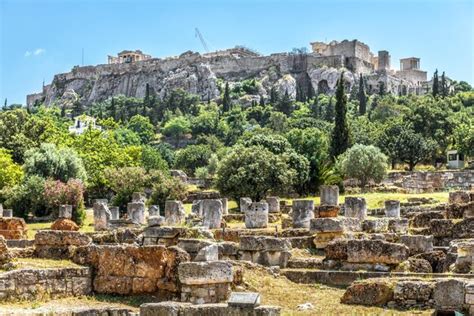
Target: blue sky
[[39, 38]]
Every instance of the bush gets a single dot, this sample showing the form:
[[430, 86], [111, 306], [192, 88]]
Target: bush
[[167, 188], [48, 161], [10, 172], [363, 163], [123, 182], [57, 193], [27, 197], [192, 157]]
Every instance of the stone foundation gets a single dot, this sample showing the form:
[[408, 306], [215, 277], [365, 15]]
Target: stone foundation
[[177, 309]]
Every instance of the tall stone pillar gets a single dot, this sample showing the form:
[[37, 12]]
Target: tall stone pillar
[[329, 194], [355, 207]]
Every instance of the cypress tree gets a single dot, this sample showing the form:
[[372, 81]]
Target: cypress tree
[[226, 99], [381, 88], [63, 111], [340, 140], [285, 104], [315, 108], [329, 112], [310, 93], [261, 101], [273, 96], [444, 86], [146, 101], [362, 97], [435, 84], [77, 109], [113, 110]]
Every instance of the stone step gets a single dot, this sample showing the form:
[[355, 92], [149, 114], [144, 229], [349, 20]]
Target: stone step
[[305, 263], [345, 278]]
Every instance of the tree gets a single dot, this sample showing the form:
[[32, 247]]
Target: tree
[[226, 102], [329, 111], [381, 88], [261, 102], [192, 157], [252, 172], [363, 163], [152, 160], [340, 141], [177, 127], [143, 127], [10, 173], [48, 161], [285, 104], [274, 97], [444, 86], [414, 148], [435, 84], [123, 182], [362, 97]]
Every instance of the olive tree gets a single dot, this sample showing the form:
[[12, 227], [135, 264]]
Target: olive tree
[[363, 163]]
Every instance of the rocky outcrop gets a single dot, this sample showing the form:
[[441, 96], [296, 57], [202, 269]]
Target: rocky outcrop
[[64, 224], [13, 228], [128, 269]]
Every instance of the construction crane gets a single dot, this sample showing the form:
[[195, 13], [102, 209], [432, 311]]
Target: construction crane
[[203, 42]]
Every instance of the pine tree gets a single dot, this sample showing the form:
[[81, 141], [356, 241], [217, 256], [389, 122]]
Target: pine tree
[[226, 99], [261, 101], [435, 84], [329, 112], [274, 97], [362, 97], [444, 86], [340, 141], [112, 109], [285, 104]]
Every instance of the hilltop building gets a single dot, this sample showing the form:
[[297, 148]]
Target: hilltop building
[[128, 56]]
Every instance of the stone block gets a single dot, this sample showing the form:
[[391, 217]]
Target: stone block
[[448, 295], [138, 197], [245, 204], [398, 225], [355, 207], [244, 299], [417, 243], [329, 194], [212, 211], [303, 212], [459, 197], [114, 213], [378, 225], [102, 215], [321, 240], [327, 210], [441, 227], [174, 212], [200, 273], [257, 215], [392, 208], [156, 221], [261, 243], [154, 210], [376, 251], [420, 291], [208, 253], [136, 212], [369, 292], [423, 219], [326, 225], [65, 211], [196, 208], [225, 206], [273, 204]]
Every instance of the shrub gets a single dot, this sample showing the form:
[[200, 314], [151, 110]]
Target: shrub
[[27, 197], [167, 188], [10, 172], [57, 193], [192, 157], [123, 182]]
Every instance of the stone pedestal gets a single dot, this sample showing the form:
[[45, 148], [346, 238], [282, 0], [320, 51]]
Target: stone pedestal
[[65, 211], [392, 208], [212, 211], [303, 212], [174, 212], [417, 243], [257, 215], [225, 206], [245, 204], [327, 211], [267, 251], [114, 212], [329, 194], [355, 207], [326, 230], [138, 197], [136, 212], [196, 208], [156, 220], [273, 204], [101, 216]]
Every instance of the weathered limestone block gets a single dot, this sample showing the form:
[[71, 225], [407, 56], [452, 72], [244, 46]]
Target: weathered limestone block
[[7, 213], [154, 210], [225, 206], [336, 250], [205, 282], [171, 308], [419, 291], [423, 219], [257, 215], [212, 211], [303, 212], [327, 210], [351, 224], [136, 212], [464, 229], [5, 255], [398, 225], [174, 212], [114, 212], [196, 208], [326, 225], [268, 251], [459, 210], [129, 269], [102, 215], [441, 227], [465, 256], [13, 228], [193, 245], [355, 207], [65, 211], [245, 204], [138, 197], [378, 225], [208, 253], [329, 194], [449, 294], [469, 209], [64, 224], [375, 292], [459, 197], [58, 244], [417, 265], [392, 208], [435, 258], [417, 243], [273, 204], [228, 250], [156, 221], [376, 251]]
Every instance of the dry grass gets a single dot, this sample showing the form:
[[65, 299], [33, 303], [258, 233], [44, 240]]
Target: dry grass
[[325, 300]]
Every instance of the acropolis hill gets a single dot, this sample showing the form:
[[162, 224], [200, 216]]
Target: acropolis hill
[[129, 73]]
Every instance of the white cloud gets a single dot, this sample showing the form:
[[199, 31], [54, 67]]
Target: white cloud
[[36, 52]]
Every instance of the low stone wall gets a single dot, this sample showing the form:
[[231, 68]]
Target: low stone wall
[[37, 284], [129, 269], [56, 244], [431, 181], [174, 308]]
